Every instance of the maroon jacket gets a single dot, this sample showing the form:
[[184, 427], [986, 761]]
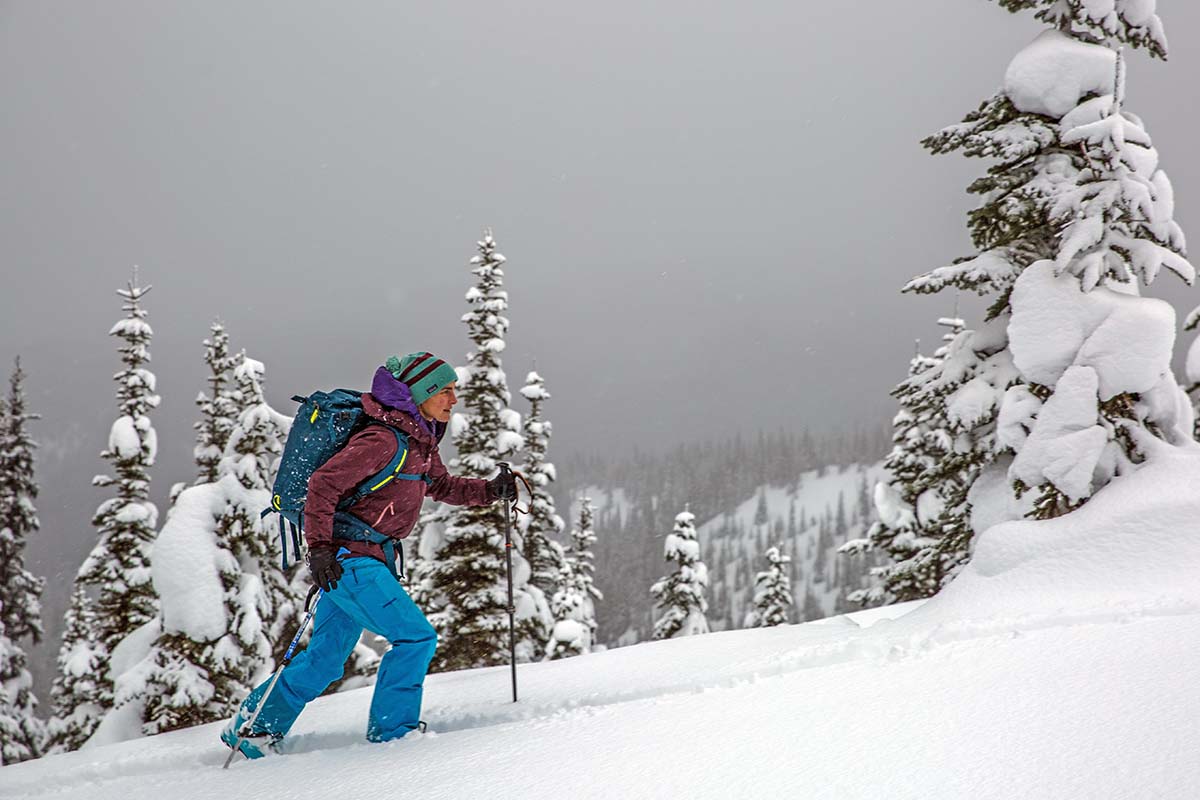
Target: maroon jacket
[[392, 510]]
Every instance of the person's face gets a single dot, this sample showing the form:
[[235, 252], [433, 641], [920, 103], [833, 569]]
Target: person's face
[[438, 407]]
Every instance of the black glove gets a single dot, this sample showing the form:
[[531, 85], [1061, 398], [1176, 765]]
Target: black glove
[[324, 567], [503, 486]]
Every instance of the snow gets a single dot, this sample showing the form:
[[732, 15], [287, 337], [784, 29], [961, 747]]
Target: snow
[[1066, 442], [1135, 12], [123, 438], [1060, 663], [187, 579], [1055, 72], [130, 663], [1126, 339]]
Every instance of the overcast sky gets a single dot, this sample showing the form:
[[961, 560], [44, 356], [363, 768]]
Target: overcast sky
[[708, 208]]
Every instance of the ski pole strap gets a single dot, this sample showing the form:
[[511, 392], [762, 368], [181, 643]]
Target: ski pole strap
[[528, 490], [350, 528]]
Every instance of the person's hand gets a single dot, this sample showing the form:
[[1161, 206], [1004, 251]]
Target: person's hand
[[503, 486], [324, 567]]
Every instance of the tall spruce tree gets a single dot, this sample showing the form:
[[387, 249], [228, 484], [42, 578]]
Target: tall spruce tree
[[543, 523], [1019, 223], [118, 568], [21, 732], [218, 407], [772, 592], [681, 595], [79, 694], [467, 599], [1085, 413]]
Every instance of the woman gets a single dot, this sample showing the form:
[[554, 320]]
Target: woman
[[413, 395]]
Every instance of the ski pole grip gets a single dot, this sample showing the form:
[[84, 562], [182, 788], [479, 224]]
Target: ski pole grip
[[507, 486]]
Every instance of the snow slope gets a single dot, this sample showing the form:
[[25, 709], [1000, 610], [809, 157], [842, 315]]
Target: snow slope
[[1060, 664]]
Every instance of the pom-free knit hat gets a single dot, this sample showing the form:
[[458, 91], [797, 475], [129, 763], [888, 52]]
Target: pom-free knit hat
[[424, 373]]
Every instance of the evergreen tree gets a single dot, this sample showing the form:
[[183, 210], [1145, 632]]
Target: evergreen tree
[[772, 592], [573, 602], [812, 606], [546, 563], [251, 454], [681, 594], [760, 511], [570, 635], [582, 559], [1019, 223], [201, 665], [218, 408], [1129, 22], [80, 697], [922, 525], [467, 600], [1117, 231], [118, 568], [21, 732], [20, 591]]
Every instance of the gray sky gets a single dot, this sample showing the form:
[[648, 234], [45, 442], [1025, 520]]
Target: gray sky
[[708, 208]]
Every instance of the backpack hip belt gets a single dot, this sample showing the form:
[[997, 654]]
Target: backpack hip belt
[[350, 528]]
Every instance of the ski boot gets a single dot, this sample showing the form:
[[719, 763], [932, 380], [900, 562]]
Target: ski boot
[[257, 744]]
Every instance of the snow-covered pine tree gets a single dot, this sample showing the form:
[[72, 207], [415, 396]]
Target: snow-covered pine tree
[[1092, 399], [545, 562], [1016, 225], [922, 523], [681, 594], [468, 598], [772, 592], [250, 457], [78, 692], [1131, 22], [227, 603], [218, 407], [21, 732], [583, 561], [574, 602], [569, 634], [118, 568]]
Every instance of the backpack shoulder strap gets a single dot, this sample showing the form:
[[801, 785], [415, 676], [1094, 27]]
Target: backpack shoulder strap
[[391, 471]]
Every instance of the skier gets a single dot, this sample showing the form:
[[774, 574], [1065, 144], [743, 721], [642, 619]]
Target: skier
[[360, 589]]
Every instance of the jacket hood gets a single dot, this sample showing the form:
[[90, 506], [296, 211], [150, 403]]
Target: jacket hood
[[392, 402]]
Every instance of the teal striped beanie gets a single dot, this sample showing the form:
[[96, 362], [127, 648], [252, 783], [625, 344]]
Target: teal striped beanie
[[424, 373]]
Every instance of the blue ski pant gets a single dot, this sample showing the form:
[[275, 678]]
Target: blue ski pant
[[367, 596]]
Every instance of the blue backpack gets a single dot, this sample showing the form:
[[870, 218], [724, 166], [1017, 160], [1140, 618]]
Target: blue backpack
[[323, 425]]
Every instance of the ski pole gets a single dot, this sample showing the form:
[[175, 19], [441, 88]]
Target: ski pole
[[249, 726], [508, 546]]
